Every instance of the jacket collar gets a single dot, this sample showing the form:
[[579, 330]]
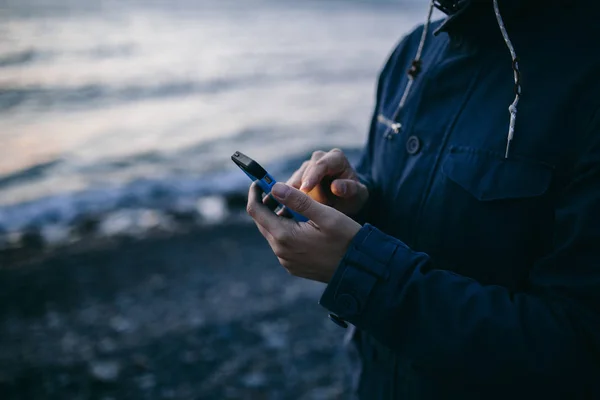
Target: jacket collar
[[477, 16]]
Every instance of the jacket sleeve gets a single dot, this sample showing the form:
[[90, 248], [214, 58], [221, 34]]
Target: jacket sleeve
[[453, 326]]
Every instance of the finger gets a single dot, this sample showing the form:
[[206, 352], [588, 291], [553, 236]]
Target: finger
[[346, 188], [270, 202], [261, 214], [264, 232], [296, 178], [285, 213], [316, 156], [300, 202], [331, 164]]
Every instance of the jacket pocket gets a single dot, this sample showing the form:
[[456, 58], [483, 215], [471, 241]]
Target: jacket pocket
[[488, 176]]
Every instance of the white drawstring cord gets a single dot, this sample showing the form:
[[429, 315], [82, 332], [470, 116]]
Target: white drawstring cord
[[393, 126], [417, 59], [517, 76]]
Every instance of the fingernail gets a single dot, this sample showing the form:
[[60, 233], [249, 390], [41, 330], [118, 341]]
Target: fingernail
[[280, 190], [305, 184], [342, 187]]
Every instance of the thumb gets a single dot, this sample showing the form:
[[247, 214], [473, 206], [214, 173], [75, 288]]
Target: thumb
[[347, 188], [299, 202]]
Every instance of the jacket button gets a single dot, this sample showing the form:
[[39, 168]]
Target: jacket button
[[413, 145], [338, 321], [456, 40], [348, 303]]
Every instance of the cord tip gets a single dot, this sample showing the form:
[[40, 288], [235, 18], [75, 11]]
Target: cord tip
[[507, 148]]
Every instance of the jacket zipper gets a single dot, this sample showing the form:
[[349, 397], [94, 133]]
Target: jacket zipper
[[393, 125]]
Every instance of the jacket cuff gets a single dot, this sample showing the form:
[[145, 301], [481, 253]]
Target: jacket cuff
[[363, 215], [365, 263]]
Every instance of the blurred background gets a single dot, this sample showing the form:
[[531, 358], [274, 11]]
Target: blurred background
[[128, 268]]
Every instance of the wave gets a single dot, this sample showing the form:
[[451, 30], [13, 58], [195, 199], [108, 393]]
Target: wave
[[97, 94], [86, 95], [18, 58], [29, 173], [31, 56], [136, 207]]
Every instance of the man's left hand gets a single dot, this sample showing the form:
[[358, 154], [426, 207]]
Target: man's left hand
[[311, 249]]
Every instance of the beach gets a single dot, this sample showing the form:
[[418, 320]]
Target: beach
[[204, 315], [128, 267]]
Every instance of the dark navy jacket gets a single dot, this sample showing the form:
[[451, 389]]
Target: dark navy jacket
[[478, 276]]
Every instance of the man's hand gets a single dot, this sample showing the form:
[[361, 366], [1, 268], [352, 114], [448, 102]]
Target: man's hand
[[330, 179], [311, 249]]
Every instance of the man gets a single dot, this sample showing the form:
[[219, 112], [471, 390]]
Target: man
[[477, 272]]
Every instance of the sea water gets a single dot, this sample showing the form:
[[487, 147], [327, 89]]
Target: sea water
[[108, 106]]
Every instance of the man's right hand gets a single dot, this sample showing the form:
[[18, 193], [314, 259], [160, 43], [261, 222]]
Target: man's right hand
[[330, 179]]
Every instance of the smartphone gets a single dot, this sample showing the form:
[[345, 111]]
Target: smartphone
[[265, 181]]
